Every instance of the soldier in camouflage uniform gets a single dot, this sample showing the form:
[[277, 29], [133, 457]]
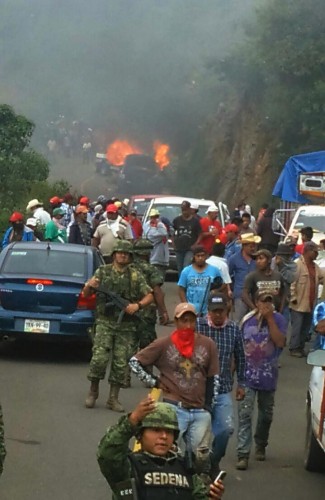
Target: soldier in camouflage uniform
[[114, 339], [2, 443], [158, 470], [147, 328]]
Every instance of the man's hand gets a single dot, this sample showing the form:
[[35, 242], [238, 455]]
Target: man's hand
[[143, 409], [164, 318], [216, 490], [132, 308], [266, 309], [92, 282], [240, 393]]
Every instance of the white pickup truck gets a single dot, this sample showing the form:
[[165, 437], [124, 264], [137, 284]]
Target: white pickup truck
[[315, 435]]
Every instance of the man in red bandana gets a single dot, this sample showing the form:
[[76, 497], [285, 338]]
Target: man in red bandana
[[189, 380]]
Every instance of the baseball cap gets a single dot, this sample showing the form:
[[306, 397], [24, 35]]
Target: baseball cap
[[183, 308], [55, 200], [16, 216], [217, 301], [112, 208], [263, 251], [263, 294], [231, 228], [212, 208], [58, 211], [81, 209], [32, 221], [195, 206], [84, 200], [133, 212], [154, 212]]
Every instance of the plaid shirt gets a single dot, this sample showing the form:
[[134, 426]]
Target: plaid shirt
[[229, 341]]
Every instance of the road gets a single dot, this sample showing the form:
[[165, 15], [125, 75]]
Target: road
[[82, 177], [52, 438]]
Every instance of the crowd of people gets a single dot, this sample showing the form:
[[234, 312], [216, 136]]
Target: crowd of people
[[240, 290]]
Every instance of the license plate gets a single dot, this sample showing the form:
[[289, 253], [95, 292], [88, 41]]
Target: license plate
[[35, 326]]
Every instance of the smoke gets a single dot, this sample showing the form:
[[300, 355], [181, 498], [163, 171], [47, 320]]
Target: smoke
[[131, 67]]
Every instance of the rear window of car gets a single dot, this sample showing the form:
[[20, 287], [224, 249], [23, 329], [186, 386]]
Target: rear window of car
[[49, 262]]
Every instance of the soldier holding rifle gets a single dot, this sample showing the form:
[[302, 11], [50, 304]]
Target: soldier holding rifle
[[115, 334]]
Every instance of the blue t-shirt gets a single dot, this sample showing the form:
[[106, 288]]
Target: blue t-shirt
[[196, 285], [261, 353]]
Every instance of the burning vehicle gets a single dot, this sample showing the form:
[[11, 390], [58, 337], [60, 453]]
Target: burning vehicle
[[136, 171]]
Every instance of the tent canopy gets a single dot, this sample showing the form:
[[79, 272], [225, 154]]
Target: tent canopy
[[287, 185]]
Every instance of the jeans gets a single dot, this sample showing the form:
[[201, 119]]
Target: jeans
[[183, 259], [222, 426], [300, 326], [195, 431], [240, 309], [265, 401]]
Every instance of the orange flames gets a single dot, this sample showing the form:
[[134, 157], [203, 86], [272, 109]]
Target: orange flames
[[161, 154], [119, 149]]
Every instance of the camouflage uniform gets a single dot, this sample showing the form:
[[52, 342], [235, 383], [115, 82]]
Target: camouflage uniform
[[113, 453], [2, 443], [112, 339], [146, 330]]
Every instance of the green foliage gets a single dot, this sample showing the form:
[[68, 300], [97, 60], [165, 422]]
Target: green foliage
[[23, 171], [282, 65]]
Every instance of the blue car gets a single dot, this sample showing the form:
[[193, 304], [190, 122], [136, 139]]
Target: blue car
[[40, 290]]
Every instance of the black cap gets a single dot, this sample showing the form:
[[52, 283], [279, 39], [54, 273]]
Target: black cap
[[217, 301], [284, 249]]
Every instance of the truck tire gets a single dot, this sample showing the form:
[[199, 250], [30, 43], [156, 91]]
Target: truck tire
[[314, 455]]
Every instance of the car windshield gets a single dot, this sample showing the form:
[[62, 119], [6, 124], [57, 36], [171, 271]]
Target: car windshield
[[141, 205], [311, 219], [35, 262], [170, 210]]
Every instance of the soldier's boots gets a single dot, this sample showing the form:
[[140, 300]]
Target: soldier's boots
[[113, 402], [93, 394]]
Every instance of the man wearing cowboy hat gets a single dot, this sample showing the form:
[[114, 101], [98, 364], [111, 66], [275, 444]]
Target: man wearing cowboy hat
[[241, 264], [36, 208]]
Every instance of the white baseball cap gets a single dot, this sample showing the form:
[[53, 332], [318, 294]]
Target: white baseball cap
[[212, 208]]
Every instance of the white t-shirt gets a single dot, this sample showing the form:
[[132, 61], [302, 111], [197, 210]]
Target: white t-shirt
[[222, 265]]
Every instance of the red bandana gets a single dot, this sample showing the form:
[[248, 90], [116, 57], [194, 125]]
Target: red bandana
[[183, 340]]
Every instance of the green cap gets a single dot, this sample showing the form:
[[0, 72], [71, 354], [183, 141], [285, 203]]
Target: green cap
[[123, 246], [164, 416], [142, 247]]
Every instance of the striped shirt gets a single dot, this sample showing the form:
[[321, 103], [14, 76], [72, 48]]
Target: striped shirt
[[230, 345]]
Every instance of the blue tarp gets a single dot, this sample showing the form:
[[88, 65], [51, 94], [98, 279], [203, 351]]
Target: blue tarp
[[287, 186]]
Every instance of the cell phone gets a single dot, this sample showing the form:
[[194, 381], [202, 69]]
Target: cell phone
[[221, 476]]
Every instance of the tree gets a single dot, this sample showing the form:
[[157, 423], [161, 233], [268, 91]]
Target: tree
[[20, 166]]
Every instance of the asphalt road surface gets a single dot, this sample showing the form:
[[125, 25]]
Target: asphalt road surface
[[52, 438]]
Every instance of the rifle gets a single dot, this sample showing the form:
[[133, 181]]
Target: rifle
[[115, 300], [204, 298]]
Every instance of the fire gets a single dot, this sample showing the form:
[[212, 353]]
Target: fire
[[119, 149], [161, 154]]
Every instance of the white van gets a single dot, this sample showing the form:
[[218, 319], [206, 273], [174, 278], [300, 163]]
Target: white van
[[314, 460]]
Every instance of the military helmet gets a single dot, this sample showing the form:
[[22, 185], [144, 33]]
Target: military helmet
[[142, 247], [123, 246], [164, 416]]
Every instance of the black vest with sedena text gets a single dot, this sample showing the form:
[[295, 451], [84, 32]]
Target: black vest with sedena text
[[158, 477]]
